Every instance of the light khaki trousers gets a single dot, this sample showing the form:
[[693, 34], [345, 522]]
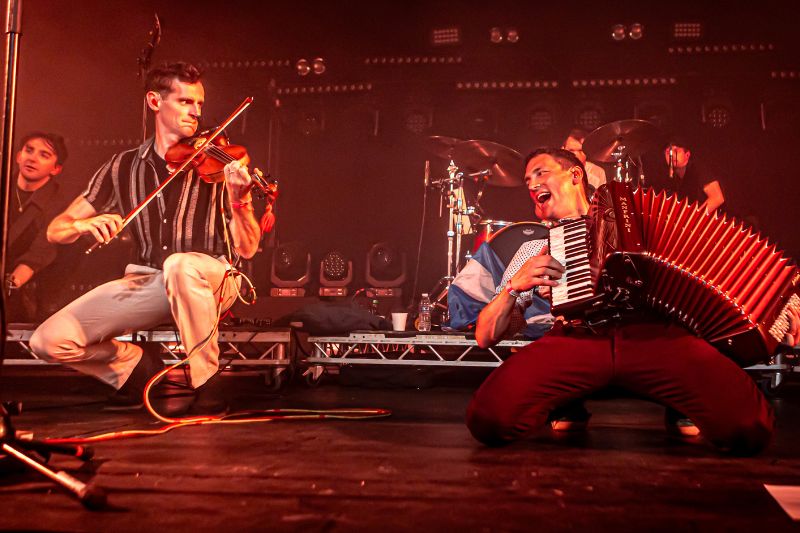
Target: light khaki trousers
[[187, 291]]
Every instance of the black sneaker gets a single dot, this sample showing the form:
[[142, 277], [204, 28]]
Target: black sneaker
[[130, 397], [209, 399]]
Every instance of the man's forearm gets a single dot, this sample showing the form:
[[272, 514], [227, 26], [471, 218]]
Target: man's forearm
[[245, 231], [63, 230], [494, 320]]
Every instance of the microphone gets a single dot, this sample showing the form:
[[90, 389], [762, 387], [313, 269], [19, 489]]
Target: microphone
[[671, 162]]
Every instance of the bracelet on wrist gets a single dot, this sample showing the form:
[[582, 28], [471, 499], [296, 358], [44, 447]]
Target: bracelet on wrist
[[510, 290]]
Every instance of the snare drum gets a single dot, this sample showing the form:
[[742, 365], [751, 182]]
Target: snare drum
[[484, 231]]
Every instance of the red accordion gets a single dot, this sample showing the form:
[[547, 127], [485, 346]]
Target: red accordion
[[710, 272]]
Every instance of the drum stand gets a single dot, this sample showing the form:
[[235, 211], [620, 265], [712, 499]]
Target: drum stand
[[622, 168], [458, 224]]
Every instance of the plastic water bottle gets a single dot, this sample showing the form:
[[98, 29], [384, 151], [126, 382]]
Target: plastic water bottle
[[424, 313]]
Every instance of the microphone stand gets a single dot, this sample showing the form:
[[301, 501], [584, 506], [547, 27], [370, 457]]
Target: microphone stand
[[12, 446]]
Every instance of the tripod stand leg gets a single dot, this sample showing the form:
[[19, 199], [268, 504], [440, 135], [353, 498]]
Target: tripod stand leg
[[84, 453], [90, 496]]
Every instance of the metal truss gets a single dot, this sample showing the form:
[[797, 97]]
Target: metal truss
[[401, 349]]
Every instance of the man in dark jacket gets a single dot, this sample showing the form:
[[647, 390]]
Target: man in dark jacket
[[34, 201]]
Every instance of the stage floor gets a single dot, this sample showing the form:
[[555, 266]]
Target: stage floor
[[417, 470]]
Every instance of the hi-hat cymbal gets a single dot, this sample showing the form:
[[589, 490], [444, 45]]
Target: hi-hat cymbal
[[615, 140], [504, 163], [441, 146]]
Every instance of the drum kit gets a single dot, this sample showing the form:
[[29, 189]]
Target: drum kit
[[489, 164]]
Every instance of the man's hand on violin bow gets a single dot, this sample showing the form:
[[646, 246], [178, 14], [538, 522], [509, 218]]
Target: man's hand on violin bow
[[102, 227]]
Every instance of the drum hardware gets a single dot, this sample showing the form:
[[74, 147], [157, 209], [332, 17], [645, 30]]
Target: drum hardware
[[623, 142], [502, 165], [485, 163]]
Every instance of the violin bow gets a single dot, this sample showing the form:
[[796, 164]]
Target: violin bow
[[199, 150]]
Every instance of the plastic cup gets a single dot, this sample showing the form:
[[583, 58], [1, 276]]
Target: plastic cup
[[399, 321]]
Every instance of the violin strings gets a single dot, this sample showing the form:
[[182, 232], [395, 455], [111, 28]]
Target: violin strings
[[220, 154]]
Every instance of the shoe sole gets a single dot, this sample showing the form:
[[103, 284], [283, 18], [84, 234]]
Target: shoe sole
[[563, 426], [120, 408]]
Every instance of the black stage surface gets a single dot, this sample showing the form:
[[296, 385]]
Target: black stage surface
[[417, 470]]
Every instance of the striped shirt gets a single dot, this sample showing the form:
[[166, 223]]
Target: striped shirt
[[184, 217]]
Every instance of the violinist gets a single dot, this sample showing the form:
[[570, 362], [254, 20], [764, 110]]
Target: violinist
[[183, 272]]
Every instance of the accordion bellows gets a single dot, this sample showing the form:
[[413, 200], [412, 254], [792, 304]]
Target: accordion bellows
[[711, 272]]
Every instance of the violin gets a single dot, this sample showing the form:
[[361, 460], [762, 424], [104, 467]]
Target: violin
[[202, 147], [211, 161]]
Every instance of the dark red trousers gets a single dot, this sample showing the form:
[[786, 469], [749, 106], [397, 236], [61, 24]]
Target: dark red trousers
[[659, 361]]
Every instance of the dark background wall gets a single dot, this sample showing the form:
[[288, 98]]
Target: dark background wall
[[350, 167]]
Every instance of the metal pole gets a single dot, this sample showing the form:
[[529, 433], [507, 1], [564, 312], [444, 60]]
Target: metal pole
[[12, 32]]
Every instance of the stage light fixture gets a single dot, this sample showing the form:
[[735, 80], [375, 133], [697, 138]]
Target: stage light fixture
[[717, 116], [686, 31], [386, 270], [446, 36], [318, 66], [589, 117], [496, 35], [290, 270], [541, 119], [512, 35], [418, 120], [618, 32], [636, 31], [303, 67], [335, 273]]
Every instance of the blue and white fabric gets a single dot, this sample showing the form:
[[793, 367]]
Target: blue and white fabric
[[483, 277]]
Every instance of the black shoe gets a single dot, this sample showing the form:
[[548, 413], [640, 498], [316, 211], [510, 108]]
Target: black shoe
[[130, 397], [209, 399]]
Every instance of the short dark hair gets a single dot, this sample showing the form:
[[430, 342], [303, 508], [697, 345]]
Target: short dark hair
[[679, 141], [566, 159], [53, 140], [160, 78], [577, 133]]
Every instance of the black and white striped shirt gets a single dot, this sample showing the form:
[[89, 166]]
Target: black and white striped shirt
[[185, 217]]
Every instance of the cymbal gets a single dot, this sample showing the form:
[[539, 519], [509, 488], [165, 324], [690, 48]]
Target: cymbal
[[440, 146], [504, 163], [612, 141]]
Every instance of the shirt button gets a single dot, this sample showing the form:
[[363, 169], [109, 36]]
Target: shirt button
[[165, 221], [164, 247]]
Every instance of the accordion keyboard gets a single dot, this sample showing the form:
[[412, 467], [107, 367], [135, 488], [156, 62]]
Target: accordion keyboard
[[569, 246]]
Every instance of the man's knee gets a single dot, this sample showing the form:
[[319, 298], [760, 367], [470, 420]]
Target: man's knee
[[492, 427], [50, 346], [748, 436], [177, 265]]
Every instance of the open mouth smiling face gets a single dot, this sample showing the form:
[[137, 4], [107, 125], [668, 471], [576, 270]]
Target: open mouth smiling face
[[541, 195]]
